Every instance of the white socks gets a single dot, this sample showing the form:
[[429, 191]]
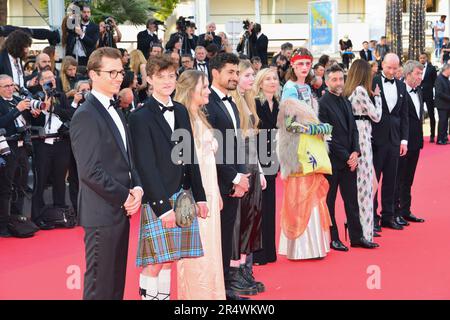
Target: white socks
[[164, 285], [148, 287]]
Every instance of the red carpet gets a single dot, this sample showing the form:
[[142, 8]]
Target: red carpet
[[413, 263]]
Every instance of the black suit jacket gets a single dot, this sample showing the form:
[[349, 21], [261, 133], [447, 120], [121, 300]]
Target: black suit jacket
[[105, 169], [204, 43], [207, 67], [259, 48], [8, 114], [153, 148], [5, 64], [188, 44], [345, 137], [221, 120], [145, 41], [267, 125], [393, 126], [363, 56], [442, 92], [415, 137], [428, 82], [89, 41]]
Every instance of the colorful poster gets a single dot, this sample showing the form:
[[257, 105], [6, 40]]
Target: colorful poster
[[322, 25]]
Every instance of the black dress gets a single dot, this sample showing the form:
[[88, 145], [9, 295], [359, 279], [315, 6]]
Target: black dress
[[267, 131]]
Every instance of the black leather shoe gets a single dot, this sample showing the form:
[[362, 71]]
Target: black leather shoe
[[401, 221], [247, 274], [441, 143], [230, 295], [413, 218], [377, 228], [238, 284], [43, 226], [376, 235], [391, 224], [431, 139], [338, 245], [363, 243], [4, 232]]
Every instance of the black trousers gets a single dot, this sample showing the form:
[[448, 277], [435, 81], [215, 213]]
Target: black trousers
[[385, 161], [20, 181], [430, 108], [443, 124], [106, 261], [6, 185], [49, 160], [72, 178], [405, 177], [227, 219], [346, 181], [268, 252]]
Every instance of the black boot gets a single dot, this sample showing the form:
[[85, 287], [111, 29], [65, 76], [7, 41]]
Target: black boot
[[238, 284], [247, 274]]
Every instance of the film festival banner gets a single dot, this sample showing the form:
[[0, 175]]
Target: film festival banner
[[323, 26]]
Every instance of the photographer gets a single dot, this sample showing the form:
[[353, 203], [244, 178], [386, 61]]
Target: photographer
[[147, 38], [253, 42], [11, 110], [81, 40], [15, 50], [209, 37], [185, 34], [51, 155], [42, 61], [109, 33], [82, 88]]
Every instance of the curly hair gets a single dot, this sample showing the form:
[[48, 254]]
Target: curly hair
[[16, 42]]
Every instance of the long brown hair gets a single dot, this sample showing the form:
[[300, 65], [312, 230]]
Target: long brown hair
[[290, 74], [360, 74], [186, 84], [248, 98], [66, 63]]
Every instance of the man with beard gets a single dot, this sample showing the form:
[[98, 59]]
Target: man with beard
[[223, 116], [82, 40], [344, 152]]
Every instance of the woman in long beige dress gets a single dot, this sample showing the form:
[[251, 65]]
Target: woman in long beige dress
[[202, 278]]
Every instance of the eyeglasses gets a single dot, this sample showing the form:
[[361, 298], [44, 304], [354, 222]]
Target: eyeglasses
[[8, 86], [113, 73]]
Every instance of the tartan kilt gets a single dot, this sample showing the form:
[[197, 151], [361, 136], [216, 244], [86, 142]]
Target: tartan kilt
[[161, 245]]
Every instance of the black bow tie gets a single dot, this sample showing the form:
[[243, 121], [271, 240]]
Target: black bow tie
[[227, 98], [112, 103], [389, 80], [164, 108], [413, 90]]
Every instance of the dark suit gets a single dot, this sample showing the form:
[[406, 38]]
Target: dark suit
[[337, 111], [366, 55], [407, 164], [89, 42], [153, 145], [227, 169], [204, 43], [258, 48], [206, 65], [443, 105], [427, 87], [145, 42], [106, 173], [5, 65], [266, 151], [386, 137], [188, 45]]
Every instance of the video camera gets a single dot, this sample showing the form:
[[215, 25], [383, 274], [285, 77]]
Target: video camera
[[246, 24]]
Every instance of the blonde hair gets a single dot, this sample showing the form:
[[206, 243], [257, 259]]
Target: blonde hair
[[67, 62], [249, 99], [186, 84], [137, 59], [257, 90]]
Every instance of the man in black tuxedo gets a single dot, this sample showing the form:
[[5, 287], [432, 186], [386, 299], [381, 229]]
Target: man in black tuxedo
[[209, 37], [110, 189], [11, 110], [223, 116], [412, 71], [15, 50], [344, 153], [428, 79], [148, 37], [201, 63], [82, 40], [389, 140], [366, 53], [443, 103], [258, 44]]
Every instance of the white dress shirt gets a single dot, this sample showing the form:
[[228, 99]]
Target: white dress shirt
[[390, 93], [168, 115], [415, 99], [424, 70], [17, 71], [201, 66], [105, 101], [227, 104]]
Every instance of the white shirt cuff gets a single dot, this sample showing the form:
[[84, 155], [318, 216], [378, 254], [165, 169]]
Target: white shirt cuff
[[82, 36], [139, 188], [74, 105], [237, 179], [165, 214], [404, 142]]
